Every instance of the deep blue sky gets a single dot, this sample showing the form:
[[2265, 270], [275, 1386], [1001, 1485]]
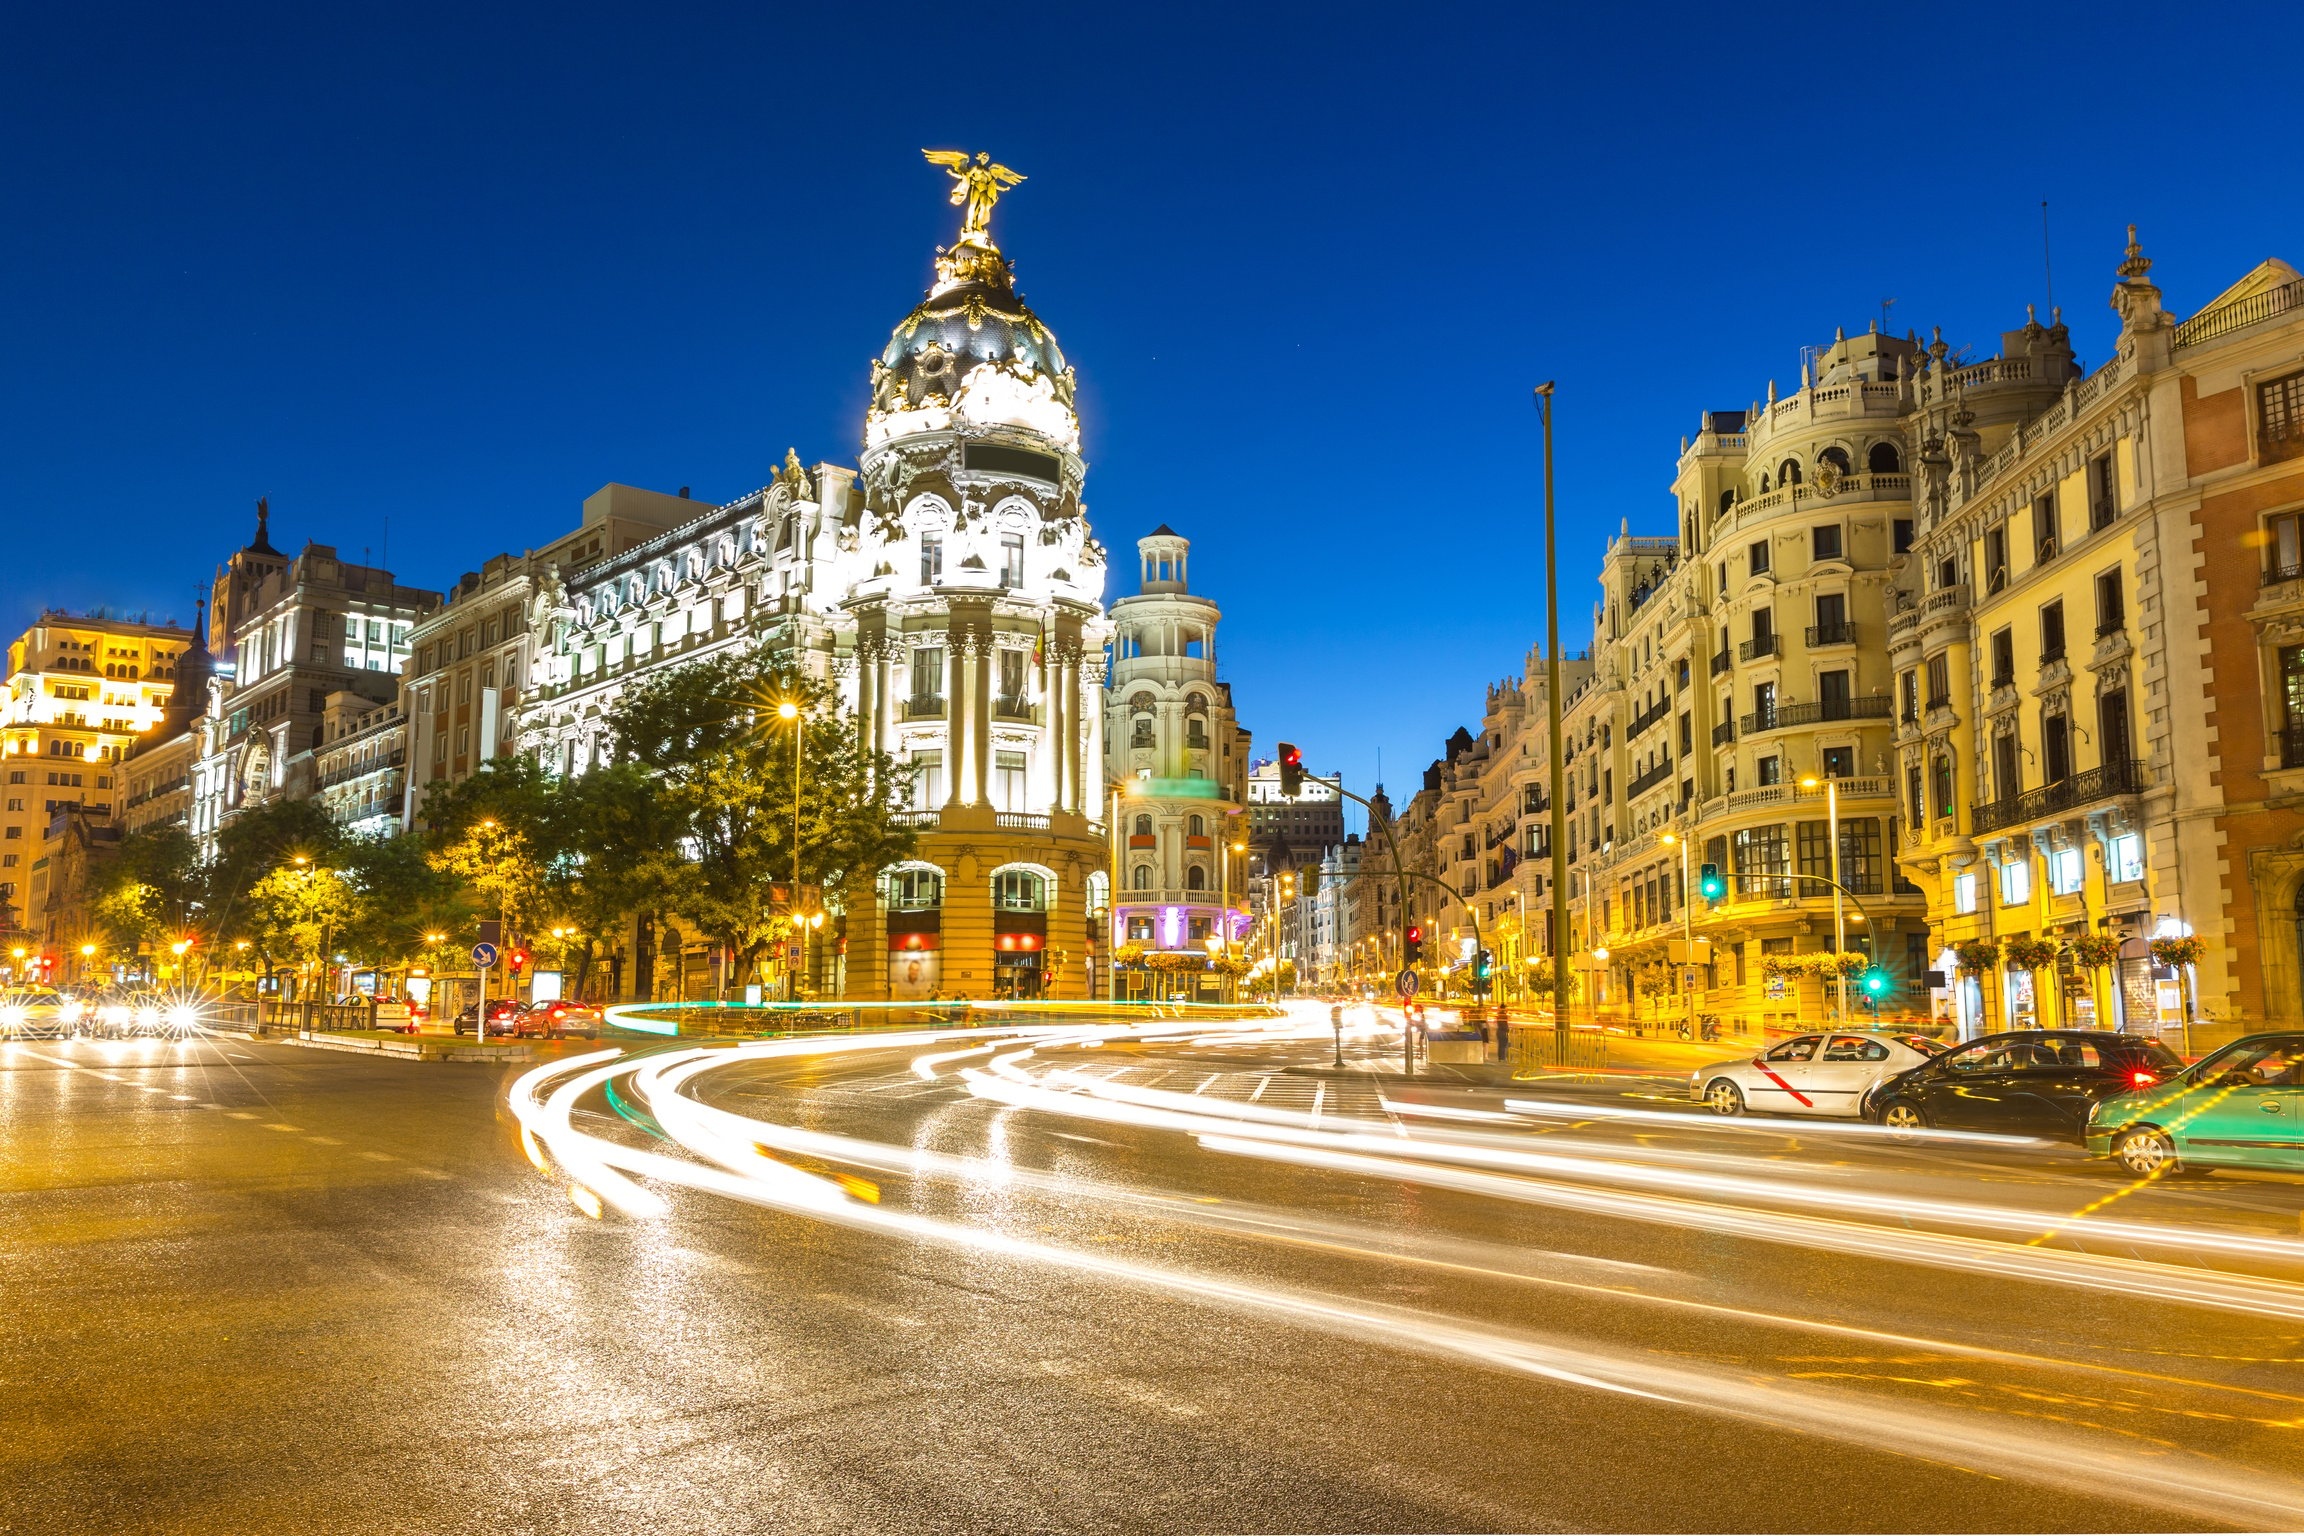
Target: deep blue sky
[[456, 268]]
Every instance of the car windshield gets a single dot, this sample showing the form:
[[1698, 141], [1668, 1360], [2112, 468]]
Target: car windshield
[[2273, 1063], [2129, 1051], [1922, 1044]]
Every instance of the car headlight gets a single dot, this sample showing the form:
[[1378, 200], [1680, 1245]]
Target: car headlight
[[68, 1012], [11, 1017], [183, 1017]]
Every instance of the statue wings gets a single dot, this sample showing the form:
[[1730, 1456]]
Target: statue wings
[[953, 160]]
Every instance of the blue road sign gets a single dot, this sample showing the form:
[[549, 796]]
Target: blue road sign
[[483, 955]]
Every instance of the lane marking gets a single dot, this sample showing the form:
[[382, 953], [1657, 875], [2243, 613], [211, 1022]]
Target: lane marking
[[273, 1125]]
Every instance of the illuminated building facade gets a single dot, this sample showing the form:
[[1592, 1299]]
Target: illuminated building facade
[[80, 689], [949, 590], [1177, 760]]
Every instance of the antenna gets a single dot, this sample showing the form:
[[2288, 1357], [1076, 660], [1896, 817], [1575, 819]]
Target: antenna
[[2047, 268], [1885, 306]]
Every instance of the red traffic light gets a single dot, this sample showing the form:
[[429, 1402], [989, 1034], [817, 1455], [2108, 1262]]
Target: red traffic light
[[519, 959], [1415, 935]]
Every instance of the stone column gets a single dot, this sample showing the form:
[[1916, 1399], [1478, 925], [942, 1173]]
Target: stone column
[[1049, 765], [956, 715], [980, 662]]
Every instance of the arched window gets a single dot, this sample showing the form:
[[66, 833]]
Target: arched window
[[1019, 890], [1197, 826], [915, 890], [1099, 892], [1837, 457], [1195, 879], [1788, 472], [1143, 826], [1884, 460], [1142, 879], [1727, 501]]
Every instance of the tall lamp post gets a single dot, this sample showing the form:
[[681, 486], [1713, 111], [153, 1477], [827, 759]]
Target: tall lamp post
[[1687, 930], [789, 713], [1559, 760], [1839, 920]]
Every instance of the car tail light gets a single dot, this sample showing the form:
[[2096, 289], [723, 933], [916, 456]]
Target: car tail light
[[2142, 1078]]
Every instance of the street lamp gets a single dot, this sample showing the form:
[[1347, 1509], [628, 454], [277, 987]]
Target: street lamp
[[1687, 930], [1839, 921]]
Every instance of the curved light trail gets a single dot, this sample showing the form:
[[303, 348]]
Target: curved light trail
[[742, 1157]]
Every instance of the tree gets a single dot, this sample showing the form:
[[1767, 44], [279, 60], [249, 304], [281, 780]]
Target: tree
[[712, 735], [252, 845], [296, 912], [398, 896], [153, 890]]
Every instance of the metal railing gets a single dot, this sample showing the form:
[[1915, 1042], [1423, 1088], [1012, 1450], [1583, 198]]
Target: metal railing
[[1647, 717], [1724, 733], [1871, 707], [924, 706], [1722, 662], [2292, 744], [2239, 314], [1831, 634], [2275, 574], [1757, 647], [2119, 777], [1650, 779]]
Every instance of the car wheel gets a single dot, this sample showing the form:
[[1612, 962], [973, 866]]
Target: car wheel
[[1904, 1117], [1724, 1097], [2146, 1152]]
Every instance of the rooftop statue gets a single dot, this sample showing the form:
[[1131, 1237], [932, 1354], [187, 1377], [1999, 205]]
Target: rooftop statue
[[976, 183]]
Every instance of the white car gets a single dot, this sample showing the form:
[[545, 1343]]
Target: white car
[[1826, 1073]]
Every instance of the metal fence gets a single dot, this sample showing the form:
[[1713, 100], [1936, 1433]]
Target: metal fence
[[1541, 1048]]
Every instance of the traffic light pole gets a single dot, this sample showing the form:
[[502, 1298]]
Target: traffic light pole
[[1559, 756], [1838, 891]]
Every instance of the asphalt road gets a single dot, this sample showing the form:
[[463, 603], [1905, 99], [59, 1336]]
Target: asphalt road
[[255, 1288]]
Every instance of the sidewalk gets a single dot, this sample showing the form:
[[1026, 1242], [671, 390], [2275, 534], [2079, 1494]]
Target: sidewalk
[[1627, 1057]]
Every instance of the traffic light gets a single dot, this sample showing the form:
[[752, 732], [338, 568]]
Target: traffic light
[[1311, 881], [519, 961], [1291, 770], [1413, 949], [1712, 883], [1483, 967], [1876, 983]]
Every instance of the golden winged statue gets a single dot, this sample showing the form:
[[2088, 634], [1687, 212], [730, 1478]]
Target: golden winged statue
[[976, 183]]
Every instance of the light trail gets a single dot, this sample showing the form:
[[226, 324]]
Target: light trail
[[543, 1101]]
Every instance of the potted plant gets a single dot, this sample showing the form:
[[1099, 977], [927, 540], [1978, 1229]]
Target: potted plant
[[2178, 952], [2096, 950], [2030, 954]]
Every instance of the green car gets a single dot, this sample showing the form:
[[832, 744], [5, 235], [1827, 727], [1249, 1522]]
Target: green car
[[2242, 1107]]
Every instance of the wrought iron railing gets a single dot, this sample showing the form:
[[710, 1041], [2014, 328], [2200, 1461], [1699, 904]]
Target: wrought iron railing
[[1723, 733], [1871, 707], [1757, 647], [2119, 777], [2238, 314], [1650, 779], [1831, 634]]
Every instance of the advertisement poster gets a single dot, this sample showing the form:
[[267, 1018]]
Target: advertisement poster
[[914, 975]]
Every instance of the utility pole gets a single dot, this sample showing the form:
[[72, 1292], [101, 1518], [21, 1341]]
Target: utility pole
[[1559, 822]]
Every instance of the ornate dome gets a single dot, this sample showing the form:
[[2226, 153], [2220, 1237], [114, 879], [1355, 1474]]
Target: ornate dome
[[972, 352]]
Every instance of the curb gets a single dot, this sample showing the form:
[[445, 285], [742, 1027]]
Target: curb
[[412, 1049]]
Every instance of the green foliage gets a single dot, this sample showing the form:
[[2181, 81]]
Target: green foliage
[[153, 890], [298, 912], [2029, 954], [399, 895], [2094, 950], [256, 842], [719, 771]]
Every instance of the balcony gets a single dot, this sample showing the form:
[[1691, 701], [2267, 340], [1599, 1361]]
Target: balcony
[[1721, 663], [1647, 717], [1757, 647], [1874, 707], [2119, 777], [1843, 633], [918, 821], [1649, 780], [1027, 821], [924, 706], [1013, 709], [1724, 733], [2276, 574]]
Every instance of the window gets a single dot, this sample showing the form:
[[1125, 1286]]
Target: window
[[1839, 762], [931, 559], [2004, 658], [2124, 859], [1143, 826], [1944, 785], [1008, 793], [1831, 619], [1900, 536], [1758, 556], [1825, 541], [1012, 690], [2103, 504], [928, 673], [1022, 890], [2284, 547], [1996, 558], [1964, 892], [2016, 882], [1141, 735], [1908, 685], [2111, 608], [1195, 878], [2280, 418], [1854, 1048], [1762, 851], [1801, 1049], [2052, 632], [1195, 731], [1916, 806], [1884, 460], [1012, 560], [2044, 529], [1141, 879], [1939, 682], [927, 780], [2065, 871], [2056, 748], [915, 890]]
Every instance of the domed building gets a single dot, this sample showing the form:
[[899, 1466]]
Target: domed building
[[950, 590]]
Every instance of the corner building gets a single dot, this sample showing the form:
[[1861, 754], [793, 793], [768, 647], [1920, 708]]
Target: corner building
[[949, 590]]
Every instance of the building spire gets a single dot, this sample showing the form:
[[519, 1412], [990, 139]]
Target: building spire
[[262, 543]]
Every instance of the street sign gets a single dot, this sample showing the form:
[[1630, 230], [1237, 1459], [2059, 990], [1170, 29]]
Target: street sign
[[483, 955], [1406, 982]]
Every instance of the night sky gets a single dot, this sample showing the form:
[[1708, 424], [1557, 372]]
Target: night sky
[[428, 278]]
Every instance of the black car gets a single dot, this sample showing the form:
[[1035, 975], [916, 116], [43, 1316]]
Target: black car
[[2032, 1082], [504, 1015]]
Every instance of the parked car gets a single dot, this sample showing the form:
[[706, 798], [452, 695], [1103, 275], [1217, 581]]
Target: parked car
[[2241, 1107], [504, 1014], [38, 1013], [1831, 1072], [2026, 1083]]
